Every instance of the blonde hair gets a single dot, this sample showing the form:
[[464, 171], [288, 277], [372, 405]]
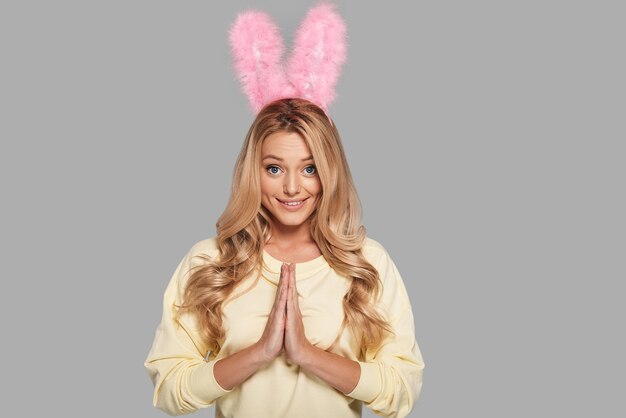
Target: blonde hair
[[244, 228]]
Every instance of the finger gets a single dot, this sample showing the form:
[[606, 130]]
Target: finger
[[287, 275], [284, 278], [292, 275], [291, 306], [283, 300], [293, 286], [295, 297], [280, 283], [278, 311], [281, 293], [279, 307]]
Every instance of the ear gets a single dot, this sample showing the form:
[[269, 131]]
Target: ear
[[319, 52], [257, 48]]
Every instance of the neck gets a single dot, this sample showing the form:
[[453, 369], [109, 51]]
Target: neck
[[288, 235]]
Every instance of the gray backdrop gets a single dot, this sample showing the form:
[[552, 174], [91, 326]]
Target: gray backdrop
[[485, 138]]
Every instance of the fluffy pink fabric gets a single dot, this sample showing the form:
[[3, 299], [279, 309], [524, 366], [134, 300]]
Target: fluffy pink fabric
[[319, 52], [257, 48], [313, 68]]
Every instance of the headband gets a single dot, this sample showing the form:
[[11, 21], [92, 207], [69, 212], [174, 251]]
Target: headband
[[310, 73]]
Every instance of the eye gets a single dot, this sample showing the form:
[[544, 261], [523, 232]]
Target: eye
[[272, 169], [310, 169]]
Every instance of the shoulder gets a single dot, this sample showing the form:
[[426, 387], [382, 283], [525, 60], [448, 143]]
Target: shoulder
[[394, 289], [373, 251], [196, 256], [376, 254], [206, 246], [201, 252]]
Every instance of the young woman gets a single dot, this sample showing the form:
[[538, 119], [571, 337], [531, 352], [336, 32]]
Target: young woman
[[291, 310]]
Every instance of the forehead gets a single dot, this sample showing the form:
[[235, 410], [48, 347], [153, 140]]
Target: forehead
[[284, 144]]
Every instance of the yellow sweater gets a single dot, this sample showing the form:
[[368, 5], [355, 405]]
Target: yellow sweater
[[181, 368]]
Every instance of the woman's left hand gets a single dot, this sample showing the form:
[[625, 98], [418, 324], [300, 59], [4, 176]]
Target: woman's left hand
[[296, 344]]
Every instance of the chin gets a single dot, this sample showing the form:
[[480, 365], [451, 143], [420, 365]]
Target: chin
[[291, 222]]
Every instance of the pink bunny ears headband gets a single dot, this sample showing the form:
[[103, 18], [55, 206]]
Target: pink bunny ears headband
[[312, 70]]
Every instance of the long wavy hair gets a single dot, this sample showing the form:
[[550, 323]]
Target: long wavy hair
[[244, 228]]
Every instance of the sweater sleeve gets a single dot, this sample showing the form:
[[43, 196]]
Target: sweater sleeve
[[391, 378], [183, 380]]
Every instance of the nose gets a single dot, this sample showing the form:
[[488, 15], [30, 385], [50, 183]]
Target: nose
[[292, 184]]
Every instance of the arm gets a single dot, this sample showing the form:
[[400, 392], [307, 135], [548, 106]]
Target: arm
[[339, 372], [390, 380], [235, 369], [183, 380]]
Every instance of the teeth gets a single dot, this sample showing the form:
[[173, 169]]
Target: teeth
[[292, 203]]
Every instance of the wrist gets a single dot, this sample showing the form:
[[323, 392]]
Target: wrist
[[259, 353], [308, 356]]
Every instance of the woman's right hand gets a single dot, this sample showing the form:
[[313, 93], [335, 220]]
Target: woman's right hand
[[271, 342]]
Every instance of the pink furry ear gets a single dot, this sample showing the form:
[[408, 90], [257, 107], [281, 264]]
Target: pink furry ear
[[257, 48], [319, 52], [313, 68]]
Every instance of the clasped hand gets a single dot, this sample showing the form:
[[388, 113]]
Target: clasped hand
[[284, 330]]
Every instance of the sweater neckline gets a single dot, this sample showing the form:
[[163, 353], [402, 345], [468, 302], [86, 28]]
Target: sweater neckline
[[304, 270]]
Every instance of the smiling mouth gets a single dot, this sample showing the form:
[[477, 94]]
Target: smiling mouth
[[292, 203]]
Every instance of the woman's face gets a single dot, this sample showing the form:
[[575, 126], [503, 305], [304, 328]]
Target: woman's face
[[288, 174]]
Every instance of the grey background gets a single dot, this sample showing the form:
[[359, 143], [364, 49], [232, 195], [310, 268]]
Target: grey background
[[485, 138]]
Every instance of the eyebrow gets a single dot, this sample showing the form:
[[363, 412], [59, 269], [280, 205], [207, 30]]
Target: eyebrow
[[310, 157]]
